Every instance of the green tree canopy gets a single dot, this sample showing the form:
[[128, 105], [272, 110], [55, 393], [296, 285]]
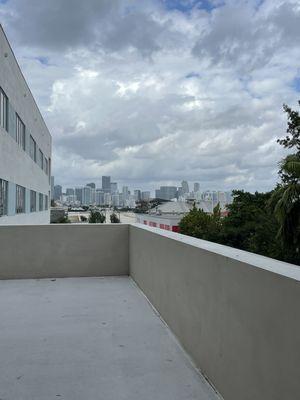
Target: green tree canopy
[[114, 219], [96, 217], [201, 225], [285, 202]]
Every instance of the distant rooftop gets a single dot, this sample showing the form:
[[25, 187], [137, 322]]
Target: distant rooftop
[[172, 207]]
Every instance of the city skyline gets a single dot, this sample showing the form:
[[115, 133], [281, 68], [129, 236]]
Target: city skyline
[[120, 185], [162, 88], [112, 194]]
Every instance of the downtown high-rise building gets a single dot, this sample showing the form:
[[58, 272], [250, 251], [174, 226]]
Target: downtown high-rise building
[[137, 195], [70, 192], [106, 184], [145, 196], [114, 187], [125, 193], [57, 192], [79, 194], [185, 187], [166, 192], [196, 187], [87, 196], [99, 197]]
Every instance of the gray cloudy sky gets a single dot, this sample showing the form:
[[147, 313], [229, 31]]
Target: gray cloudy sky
[[156, 91]]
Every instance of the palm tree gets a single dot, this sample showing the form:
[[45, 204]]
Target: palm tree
[[285, 201]]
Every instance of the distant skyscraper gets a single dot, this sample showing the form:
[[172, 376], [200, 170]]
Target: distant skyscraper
[[166, 192], [99, 200], [114, 187], [137, 195], [107, 199], [57, 192], [145, 196], [70, 192], [87, 195], [91, 185], [52, 187], [185, 187], [125, 192], [106, 184], [79, 195], [115, 200], [196, 187]]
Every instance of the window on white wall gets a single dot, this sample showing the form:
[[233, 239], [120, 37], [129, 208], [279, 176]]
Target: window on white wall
[[46, 166], [41, 202], [32, 148], [32, 201], [3, 110], [20, 130], [49, 172], [20, 199], [41, 159], [3, 197], [46, 202]]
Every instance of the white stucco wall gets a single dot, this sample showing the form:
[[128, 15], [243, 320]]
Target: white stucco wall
[[16, 165], [34, 218]]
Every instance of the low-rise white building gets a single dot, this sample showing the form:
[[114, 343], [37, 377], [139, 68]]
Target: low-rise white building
[[25, 147]]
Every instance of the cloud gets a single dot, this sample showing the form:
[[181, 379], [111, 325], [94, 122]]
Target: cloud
[[153, 92]]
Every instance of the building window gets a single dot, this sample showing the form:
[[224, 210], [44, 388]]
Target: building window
[[32, 201], [20, 128], [46, 202], [41, 202], [20, 199], [32, 148], [3, 197], [3, 110], [49, 172], [41, 159], [46, 166]]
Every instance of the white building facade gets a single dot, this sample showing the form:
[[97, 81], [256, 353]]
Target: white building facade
[[25, 148]]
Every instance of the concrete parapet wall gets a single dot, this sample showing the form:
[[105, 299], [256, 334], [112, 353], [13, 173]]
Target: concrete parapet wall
[[44, 251], [237, 314]]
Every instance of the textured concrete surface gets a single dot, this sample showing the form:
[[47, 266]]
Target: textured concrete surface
[[63, 250], [89, 338], [235, 313]]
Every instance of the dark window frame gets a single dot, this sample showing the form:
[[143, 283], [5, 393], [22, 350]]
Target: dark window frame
[[20, 199], [41, 159], [41, 202], [46, 166], [3, 197], [32, 148], [3, 110], [20, 132], [32, 201]]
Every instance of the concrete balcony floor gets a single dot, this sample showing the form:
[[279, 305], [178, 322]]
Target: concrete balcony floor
[[89, 338]]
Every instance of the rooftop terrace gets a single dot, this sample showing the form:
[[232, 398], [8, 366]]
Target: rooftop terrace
[[89, 338], [82, 325]]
